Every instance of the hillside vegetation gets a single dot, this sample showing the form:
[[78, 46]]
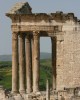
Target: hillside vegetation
[[5, 73], [43, 55]]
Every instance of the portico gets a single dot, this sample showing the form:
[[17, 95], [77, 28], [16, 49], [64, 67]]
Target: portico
[[22, 52]]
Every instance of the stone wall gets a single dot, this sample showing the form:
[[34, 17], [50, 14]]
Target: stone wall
[[68, 74]]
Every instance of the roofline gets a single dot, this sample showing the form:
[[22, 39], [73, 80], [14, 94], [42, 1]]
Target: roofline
[[49, 15]]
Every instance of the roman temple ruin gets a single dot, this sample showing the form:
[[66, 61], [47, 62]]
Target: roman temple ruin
[[64, 31]]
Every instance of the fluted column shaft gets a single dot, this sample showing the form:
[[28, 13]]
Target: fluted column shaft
[[53, 39], [15, 62], [36, 66], [28, 64], [22, 63]]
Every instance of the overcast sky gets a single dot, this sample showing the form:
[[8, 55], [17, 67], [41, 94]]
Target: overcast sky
[[46, 6]]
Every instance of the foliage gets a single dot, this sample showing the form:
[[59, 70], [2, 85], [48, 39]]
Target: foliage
[[6, 73], [45, 73], [4, 64]]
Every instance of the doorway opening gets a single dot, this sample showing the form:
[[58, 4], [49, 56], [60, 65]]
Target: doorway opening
[[45, 62]]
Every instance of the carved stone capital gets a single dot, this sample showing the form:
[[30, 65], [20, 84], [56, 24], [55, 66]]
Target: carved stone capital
[[36, 34], [28, 38], [14, 35], [21, 34], [53, 39]]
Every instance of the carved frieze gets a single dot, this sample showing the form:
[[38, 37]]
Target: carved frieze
[[36, 28]]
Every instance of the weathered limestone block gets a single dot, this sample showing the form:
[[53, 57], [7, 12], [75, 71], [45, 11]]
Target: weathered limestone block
[[11, 98], [18, 97], [3, 94], [75, 98]]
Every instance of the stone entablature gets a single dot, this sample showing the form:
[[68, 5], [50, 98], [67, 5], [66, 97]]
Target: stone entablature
[[43, 22], [42, 28]]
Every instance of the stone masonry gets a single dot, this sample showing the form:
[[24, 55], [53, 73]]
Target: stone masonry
[[64, 31]]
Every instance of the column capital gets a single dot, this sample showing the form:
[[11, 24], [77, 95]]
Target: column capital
[[53, 38], [36, 34], [13, 32], [14, 35], [21, 34], [28, 38]]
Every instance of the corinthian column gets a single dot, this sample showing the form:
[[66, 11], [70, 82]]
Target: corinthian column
[[32, 42], [28, 64], [36, 66], [22, 63], [53, 39], [15, 62]]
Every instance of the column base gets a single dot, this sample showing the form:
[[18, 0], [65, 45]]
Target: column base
[[22, 91], [35, 91], [14, 92], [28, 91]]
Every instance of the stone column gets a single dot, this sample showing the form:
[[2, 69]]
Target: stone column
[[15, 63], [22, 63], [32, 42], [32, 50], [53, 39], [28, 64], [60, 80], [47, 90], [36, 66]]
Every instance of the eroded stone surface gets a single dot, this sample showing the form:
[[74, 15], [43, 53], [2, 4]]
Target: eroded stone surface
[[20, 8]]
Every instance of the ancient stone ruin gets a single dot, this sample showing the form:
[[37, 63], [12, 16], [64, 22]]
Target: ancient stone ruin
[[27, 28]]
